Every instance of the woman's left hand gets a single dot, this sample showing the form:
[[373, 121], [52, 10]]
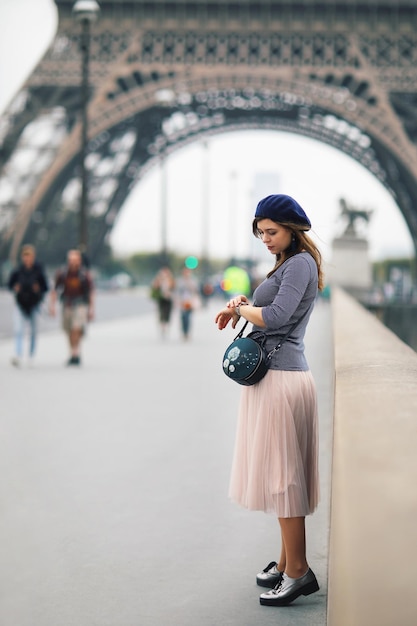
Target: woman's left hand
[[224, 316]]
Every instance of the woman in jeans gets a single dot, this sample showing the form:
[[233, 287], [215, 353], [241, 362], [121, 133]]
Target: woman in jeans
[[188, 300], [29, 285]]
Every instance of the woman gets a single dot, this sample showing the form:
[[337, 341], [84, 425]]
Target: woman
[[162, 290], [188, 299], [275, 466], [29, 284]]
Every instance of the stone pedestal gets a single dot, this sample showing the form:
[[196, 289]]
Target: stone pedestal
[[350, 266]]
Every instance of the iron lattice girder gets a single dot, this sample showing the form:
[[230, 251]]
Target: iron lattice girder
[[338, 85], [211, 112]]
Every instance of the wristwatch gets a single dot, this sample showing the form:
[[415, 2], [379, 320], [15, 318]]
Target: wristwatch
[[238, 307]]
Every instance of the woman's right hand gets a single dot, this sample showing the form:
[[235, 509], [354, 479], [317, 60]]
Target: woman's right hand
[[234, 302]]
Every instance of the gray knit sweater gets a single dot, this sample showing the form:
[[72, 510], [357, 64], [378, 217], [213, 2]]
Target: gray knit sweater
[[285, 296]]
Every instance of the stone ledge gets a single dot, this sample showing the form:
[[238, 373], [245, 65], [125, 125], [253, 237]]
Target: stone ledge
[[373, 527]]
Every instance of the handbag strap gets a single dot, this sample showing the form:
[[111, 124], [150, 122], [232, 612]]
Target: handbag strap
[[287, 334]]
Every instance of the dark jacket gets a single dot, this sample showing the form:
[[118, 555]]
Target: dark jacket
[[33, 286]]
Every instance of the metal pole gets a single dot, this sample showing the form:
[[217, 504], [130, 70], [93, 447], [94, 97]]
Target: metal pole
[[164, 247], [85, 51], [205, 208], [232, 214]]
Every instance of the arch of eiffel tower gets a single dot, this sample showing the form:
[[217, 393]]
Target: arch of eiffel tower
[[165, 73]]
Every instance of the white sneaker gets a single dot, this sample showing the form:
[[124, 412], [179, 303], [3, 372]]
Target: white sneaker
[[15, 361]]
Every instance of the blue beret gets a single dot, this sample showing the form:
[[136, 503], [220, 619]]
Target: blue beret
[[282, 209]]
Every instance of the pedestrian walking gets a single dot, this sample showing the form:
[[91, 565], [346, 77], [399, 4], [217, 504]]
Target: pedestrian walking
[[29, 285], [75, 288], [275, 464], [162, 291], [188, 300]]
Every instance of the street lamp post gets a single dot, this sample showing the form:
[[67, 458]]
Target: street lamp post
[[164, 244], [205, 210], [85, 12], [232, 213]]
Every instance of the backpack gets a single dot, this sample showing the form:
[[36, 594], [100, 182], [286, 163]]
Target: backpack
[[26, 297]]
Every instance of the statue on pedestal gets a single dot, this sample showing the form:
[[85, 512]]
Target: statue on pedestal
[[351, 267], [352, 216]]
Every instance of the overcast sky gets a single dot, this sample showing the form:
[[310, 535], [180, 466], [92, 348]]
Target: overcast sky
[[315, 174]]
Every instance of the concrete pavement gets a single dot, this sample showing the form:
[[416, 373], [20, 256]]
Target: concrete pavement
[[114, 483]]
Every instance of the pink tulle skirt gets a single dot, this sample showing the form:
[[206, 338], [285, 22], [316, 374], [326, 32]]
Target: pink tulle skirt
[[275, 464]]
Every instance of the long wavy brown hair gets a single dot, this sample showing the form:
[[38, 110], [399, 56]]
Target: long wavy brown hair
[[301, 242]]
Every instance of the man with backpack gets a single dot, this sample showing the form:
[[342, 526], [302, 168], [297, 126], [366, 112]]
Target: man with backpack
[[29, 285], [75, 288]]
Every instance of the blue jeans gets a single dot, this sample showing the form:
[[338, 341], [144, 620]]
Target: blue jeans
[[186, 321], [20, 322]]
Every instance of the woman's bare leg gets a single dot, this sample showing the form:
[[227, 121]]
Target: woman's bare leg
[[283, 557], [294, 546]]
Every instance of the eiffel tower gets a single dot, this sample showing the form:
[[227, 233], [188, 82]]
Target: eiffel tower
[[164, 73]]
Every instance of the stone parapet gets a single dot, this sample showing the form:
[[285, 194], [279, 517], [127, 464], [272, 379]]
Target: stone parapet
[[373, 536]]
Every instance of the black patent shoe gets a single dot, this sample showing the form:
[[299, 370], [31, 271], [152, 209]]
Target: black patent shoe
[[270, 576], [288, 589]]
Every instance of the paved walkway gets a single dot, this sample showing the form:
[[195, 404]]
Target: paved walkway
[[114, 481]]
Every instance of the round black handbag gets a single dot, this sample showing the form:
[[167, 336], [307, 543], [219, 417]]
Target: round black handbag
[[246, 360]]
